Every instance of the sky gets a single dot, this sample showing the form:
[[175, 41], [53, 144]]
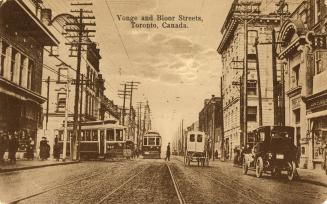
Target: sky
[[177, 68]]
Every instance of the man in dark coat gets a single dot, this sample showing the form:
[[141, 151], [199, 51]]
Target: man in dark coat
[[43, 149], [3, 146], [13, 145], [168, 152], [56, 150]]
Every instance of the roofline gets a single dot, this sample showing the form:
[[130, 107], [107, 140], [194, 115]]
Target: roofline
[[37, 21]]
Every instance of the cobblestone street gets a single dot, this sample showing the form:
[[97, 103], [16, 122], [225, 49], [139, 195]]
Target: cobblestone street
[[149, 181]]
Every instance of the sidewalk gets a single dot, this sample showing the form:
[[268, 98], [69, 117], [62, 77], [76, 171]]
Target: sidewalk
[[312, 176], [31, 164]]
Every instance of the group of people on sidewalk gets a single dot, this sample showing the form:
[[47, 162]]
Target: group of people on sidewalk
[[8, 142]]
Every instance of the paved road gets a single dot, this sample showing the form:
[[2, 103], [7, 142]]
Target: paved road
[[150, 181]]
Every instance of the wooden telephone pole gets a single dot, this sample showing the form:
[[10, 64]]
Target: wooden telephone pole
[[79, 33], [123, 93]]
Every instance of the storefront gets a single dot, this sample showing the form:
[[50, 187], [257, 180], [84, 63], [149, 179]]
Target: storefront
[[317, 134]]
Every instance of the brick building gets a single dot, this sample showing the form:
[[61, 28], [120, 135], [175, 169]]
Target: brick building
[[210, 122], [21, 69]]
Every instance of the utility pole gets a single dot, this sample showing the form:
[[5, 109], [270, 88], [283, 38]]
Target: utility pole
[[66, 118], [274, 76], [258, 80], [47, 111], [131, 86], [124, 95], [80, 116], [244, 9], [78, 32], [222, 121]]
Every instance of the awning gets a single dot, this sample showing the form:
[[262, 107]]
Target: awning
[[13, 11], [317, 114]]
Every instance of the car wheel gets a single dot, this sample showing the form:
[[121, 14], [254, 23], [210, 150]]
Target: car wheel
[[259, 167], [245, 167], [291, 172]]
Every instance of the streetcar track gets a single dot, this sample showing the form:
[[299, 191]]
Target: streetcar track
[[21, 198], [178, 192], [105, 198], [233, 189]]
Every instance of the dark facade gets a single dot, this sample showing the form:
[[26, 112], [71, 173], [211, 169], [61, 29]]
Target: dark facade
[[21, 68], [210, 122]]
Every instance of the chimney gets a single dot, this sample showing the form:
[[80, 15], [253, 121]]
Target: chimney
[[212, 96], [46, 16]]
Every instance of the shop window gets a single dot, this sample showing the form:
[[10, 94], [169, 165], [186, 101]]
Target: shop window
[[297, 116], [145, 141], [252, 113], [61, 102], [252, 87], [110, 135], [4, 51]]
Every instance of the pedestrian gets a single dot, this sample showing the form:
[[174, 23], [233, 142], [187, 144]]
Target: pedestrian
[[30, 149], [168, 152], [3, 146], [43, 148], [137, 152], [56, 150], [216, 154], [47, 147], [13, 145]]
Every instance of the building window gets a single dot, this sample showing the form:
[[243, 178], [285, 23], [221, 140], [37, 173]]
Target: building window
[[14, 54], [317, 11], [296, 75], [30, 73], [62, 73], [4, 49], [320, 59], [252, 87], [61, 102], [23, 62], [252, 114], [297, 116]]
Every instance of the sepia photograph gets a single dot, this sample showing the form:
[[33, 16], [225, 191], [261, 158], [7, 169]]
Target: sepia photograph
[[163, 101]]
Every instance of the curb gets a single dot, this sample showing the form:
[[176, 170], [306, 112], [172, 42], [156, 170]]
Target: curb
[[35, 167]]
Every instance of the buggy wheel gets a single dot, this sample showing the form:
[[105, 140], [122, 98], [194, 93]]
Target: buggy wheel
[[245, 166], [291, 172], [259, 167]]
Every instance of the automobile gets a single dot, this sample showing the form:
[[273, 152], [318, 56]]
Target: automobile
[[271, 149]]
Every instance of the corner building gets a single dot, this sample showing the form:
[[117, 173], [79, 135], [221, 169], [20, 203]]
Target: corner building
[[231, 49]]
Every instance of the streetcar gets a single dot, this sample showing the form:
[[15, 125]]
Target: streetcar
[[196, 149], [271, 149], [151, 147], [99, 139]]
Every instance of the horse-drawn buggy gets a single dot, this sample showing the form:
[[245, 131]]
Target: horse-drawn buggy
[[196, 149], [271, 148]]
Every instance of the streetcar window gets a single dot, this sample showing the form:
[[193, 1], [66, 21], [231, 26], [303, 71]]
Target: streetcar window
[[145, 141], [82, 135], [94, 135], [152, 141], [119, 135], [87, 135], [199, 138], [158, 141], [192, 138], [110, 135]]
